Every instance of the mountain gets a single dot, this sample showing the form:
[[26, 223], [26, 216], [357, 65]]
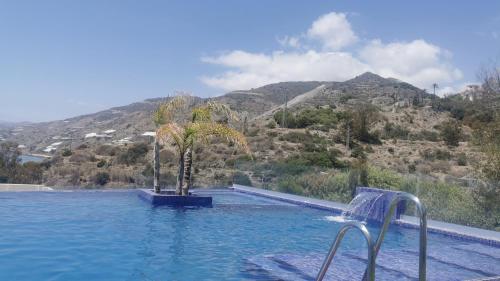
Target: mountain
[[131, 121]]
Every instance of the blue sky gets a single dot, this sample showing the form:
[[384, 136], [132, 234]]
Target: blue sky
[[64, 58]]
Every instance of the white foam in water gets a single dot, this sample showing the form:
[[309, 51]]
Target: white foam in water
[[336, 218]]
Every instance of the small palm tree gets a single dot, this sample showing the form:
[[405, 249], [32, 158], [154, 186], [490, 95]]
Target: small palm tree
[[164, 114], [435, 86], [201, 127]]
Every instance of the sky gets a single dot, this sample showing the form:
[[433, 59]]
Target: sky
[[60, 59]]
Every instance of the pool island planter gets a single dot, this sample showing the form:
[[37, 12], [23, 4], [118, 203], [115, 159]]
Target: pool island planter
[[169, 198]]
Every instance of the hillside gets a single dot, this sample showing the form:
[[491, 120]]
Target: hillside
[[121, 127]]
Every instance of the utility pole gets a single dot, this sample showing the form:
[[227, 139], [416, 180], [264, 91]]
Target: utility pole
[[434, 86], [348, 136], [283, 121]]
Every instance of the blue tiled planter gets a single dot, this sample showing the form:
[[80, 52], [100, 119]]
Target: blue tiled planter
[[170, 199]]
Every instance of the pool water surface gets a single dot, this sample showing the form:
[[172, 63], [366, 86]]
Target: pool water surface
[[117, 236]]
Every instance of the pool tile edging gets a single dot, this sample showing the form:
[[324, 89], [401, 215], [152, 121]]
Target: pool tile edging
[[337, 208], [289, 198]]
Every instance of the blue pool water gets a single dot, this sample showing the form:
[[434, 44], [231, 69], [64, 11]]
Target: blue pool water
[[117, 236]]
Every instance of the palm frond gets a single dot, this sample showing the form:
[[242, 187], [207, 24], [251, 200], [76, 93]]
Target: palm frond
[[172, 132], [201, 114], [205, 112], [166, 111], [223, 109], [205, 130], [158, 116]]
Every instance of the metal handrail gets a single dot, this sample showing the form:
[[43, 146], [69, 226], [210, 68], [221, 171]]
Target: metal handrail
[[403, 196], [370, 268]]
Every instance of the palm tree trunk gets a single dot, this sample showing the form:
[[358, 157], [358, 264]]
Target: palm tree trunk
[[156, 169], [187, 172], [180, 176]]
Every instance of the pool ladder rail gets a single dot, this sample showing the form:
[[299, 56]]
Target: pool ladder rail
[[374, 248]]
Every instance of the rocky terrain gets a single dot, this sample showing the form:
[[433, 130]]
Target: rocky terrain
[[83, 146]]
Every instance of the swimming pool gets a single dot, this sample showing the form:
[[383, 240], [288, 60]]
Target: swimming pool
[[116, 236]]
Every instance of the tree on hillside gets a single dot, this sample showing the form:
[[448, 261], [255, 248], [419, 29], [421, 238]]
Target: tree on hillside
[[364, 116], [451, 132], [9, 155], [489, 75], [488, 195], [12, 171], [290, 118]]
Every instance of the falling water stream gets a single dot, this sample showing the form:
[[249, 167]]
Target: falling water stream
[[359, 208]]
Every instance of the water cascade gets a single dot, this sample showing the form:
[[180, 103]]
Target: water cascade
[[362, 206], [369, 204]]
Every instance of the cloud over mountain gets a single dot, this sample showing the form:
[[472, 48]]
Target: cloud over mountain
[[328, 51]]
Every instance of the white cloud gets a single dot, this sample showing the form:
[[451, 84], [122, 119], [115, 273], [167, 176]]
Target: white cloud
[[333, 30], [253, 70], [417, 62], [290, 41], [451, 90]]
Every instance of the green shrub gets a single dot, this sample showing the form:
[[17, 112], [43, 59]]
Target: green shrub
[[297, 137], [290, 185], [425, 135], [319, 117], [66, 152], [148, 170], [345, 98], [323, 186], [436, 154], [462, 159], [107, 150], [101, 163], [451, 132], [271, 124], [392, 131], [80, 157], [289, 119], [272, 134], [83, 146], [133, 154], [358, 153], [101, 178], [383, 178], [241, 178], [412, 168]]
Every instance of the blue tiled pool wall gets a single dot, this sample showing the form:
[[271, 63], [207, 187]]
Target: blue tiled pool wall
[[336, 211]]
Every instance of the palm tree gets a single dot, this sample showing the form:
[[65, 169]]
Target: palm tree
[[435, 86], [183, 137], [201, 126], [164, 114]]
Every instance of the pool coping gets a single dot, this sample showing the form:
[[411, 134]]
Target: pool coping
[[467, 233], [172, 199]]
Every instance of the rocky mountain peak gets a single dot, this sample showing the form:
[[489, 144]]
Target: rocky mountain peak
[[368, 78]]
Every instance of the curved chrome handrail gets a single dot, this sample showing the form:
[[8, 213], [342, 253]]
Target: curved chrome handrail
[[370, 268], [403, 196]]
